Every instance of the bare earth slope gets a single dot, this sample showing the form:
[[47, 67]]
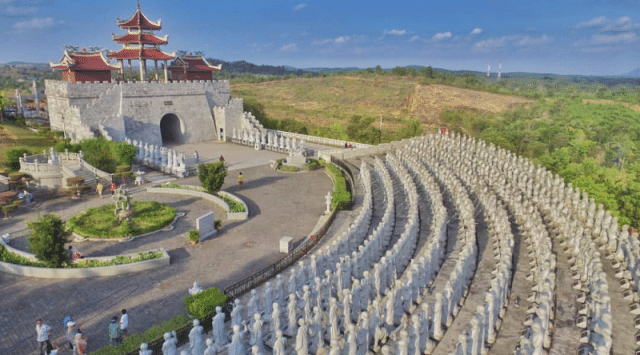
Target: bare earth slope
[[330, 100]]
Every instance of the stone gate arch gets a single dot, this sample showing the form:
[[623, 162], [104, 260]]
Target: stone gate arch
[[172, 129]]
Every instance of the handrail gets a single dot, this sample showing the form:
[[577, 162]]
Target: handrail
[[97, 172]]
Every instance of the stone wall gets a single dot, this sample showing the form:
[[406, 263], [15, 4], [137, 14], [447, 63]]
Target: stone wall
[[135, 109]]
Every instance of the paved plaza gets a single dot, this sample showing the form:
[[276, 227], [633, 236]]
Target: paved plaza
[[280, 204]]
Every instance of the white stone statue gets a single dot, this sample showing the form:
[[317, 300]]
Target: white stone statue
[[196, 338], [219, 329], [302, 338], [252, 306], [144, 349], [236, 312], [278, 346], [169, 347], [211, 348], [292, 317], [237, 346]]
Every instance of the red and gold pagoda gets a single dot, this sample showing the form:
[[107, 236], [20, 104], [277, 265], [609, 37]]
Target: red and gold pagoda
[[192, 67], [85, 67], [139, 43]]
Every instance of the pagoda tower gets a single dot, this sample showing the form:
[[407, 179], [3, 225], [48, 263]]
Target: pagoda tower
[[139, 43]]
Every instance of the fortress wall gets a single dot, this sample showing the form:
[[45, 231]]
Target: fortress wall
[[135, 109]]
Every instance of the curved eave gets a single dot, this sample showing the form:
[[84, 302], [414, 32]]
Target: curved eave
[[142, 38], [146, 53], [140, 21]]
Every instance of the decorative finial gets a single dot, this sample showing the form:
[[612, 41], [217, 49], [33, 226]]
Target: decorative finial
[[138, 4]]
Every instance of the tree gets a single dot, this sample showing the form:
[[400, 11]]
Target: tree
[[3, 103], [49, 234], [212, 176], [379, 70], [360, 129], [13, 157]]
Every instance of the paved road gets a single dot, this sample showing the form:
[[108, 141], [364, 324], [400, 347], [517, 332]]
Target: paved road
[[279, 204]]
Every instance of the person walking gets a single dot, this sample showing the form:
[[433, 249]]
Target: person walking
[[114, 331], [99, 189], [113, 188], [124, 324], [240, 179], [81, 347], [71, 333], [42, 336]]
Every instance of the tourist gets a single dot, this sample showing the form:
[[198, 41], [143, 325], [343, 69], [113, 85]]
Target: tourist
[[114, 332], [42, 336], [71, 333], [81, 347], [124, 324], [240, 179], [74, 254], [113, 188], [221, 158], [99, 189]]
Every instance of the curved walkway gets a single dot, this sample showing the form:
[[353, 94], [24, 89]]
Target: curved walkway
[[280, 204]]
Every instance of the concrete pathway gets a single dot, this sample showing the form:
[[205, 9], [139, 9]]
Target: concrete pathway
[[280, 204]]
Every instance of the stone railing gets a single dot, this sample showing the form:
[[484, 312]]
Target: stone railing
[[80, 273], [95, 171], [323, 140], [194, 191]]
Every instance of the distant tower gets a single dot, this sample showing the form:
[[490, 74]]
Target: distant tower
[[488, 70], [500, 70]]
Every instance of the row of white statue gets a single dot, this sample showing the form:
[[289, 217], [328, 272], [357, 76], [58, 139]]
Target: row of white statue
[[267, 139], [157, 157], [371, 288]]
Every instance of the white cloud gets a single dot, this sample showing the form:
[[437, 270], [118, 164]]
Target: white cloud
[[516, 40], [337, 40], [414, 38], [623, 23], [441, 36], [395, 32], [531, 41], [299, 7], [595, 22], [476, 31], [605, 39], [34, 24], [289, 47]]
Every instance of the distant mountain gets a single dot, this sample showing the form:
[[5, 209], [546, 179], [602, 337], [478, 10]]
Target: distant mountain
[[25, 65], [633, 73], [246, 67]]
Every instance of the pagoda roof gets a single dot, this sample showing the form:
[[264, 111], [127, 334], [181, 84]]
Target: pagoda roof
[[139, 21], [141, 37], [83, 61], [194, 63], [141, 53]]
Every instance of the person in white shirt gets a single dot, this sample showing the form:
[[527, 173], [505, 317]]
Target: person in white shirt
[[42, 334], [124, 323]]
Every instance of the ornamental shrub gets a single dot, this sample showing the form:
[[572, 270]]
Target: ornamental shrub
[[212, 176], [204, 303], [13, 157], [194, 235], [48, 237]]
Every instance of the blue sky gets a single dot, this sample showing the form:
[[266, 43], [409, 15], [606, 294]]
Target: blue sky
[[564, 37]]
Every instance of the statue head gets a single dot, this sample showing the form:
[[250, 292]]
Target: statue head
[[196, 322], [167, 335]]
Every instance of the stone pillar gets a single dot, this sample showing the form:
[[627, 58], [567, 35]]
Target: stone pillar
[[143, 69], [166, 73], [37, 99], [121, 62], [155, 61], [130, 70]]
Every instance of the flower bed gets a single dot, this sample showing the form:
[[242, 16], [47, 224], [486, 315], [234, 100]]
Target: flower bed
[[234, 206], [237, 214], [9, 257]]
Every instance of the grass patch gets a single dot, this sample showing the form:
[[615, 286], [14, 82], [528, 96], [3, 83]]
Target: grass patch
[[204, 303], [341, 196], [18, 137], [101, 222], [13, 258]]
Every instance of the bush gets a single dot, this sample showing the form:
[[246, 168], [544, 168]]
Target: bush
[[48, 237], [341, 196], [212, 176], [204, 303], [132, 343], [13, 157], [194, 235]]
